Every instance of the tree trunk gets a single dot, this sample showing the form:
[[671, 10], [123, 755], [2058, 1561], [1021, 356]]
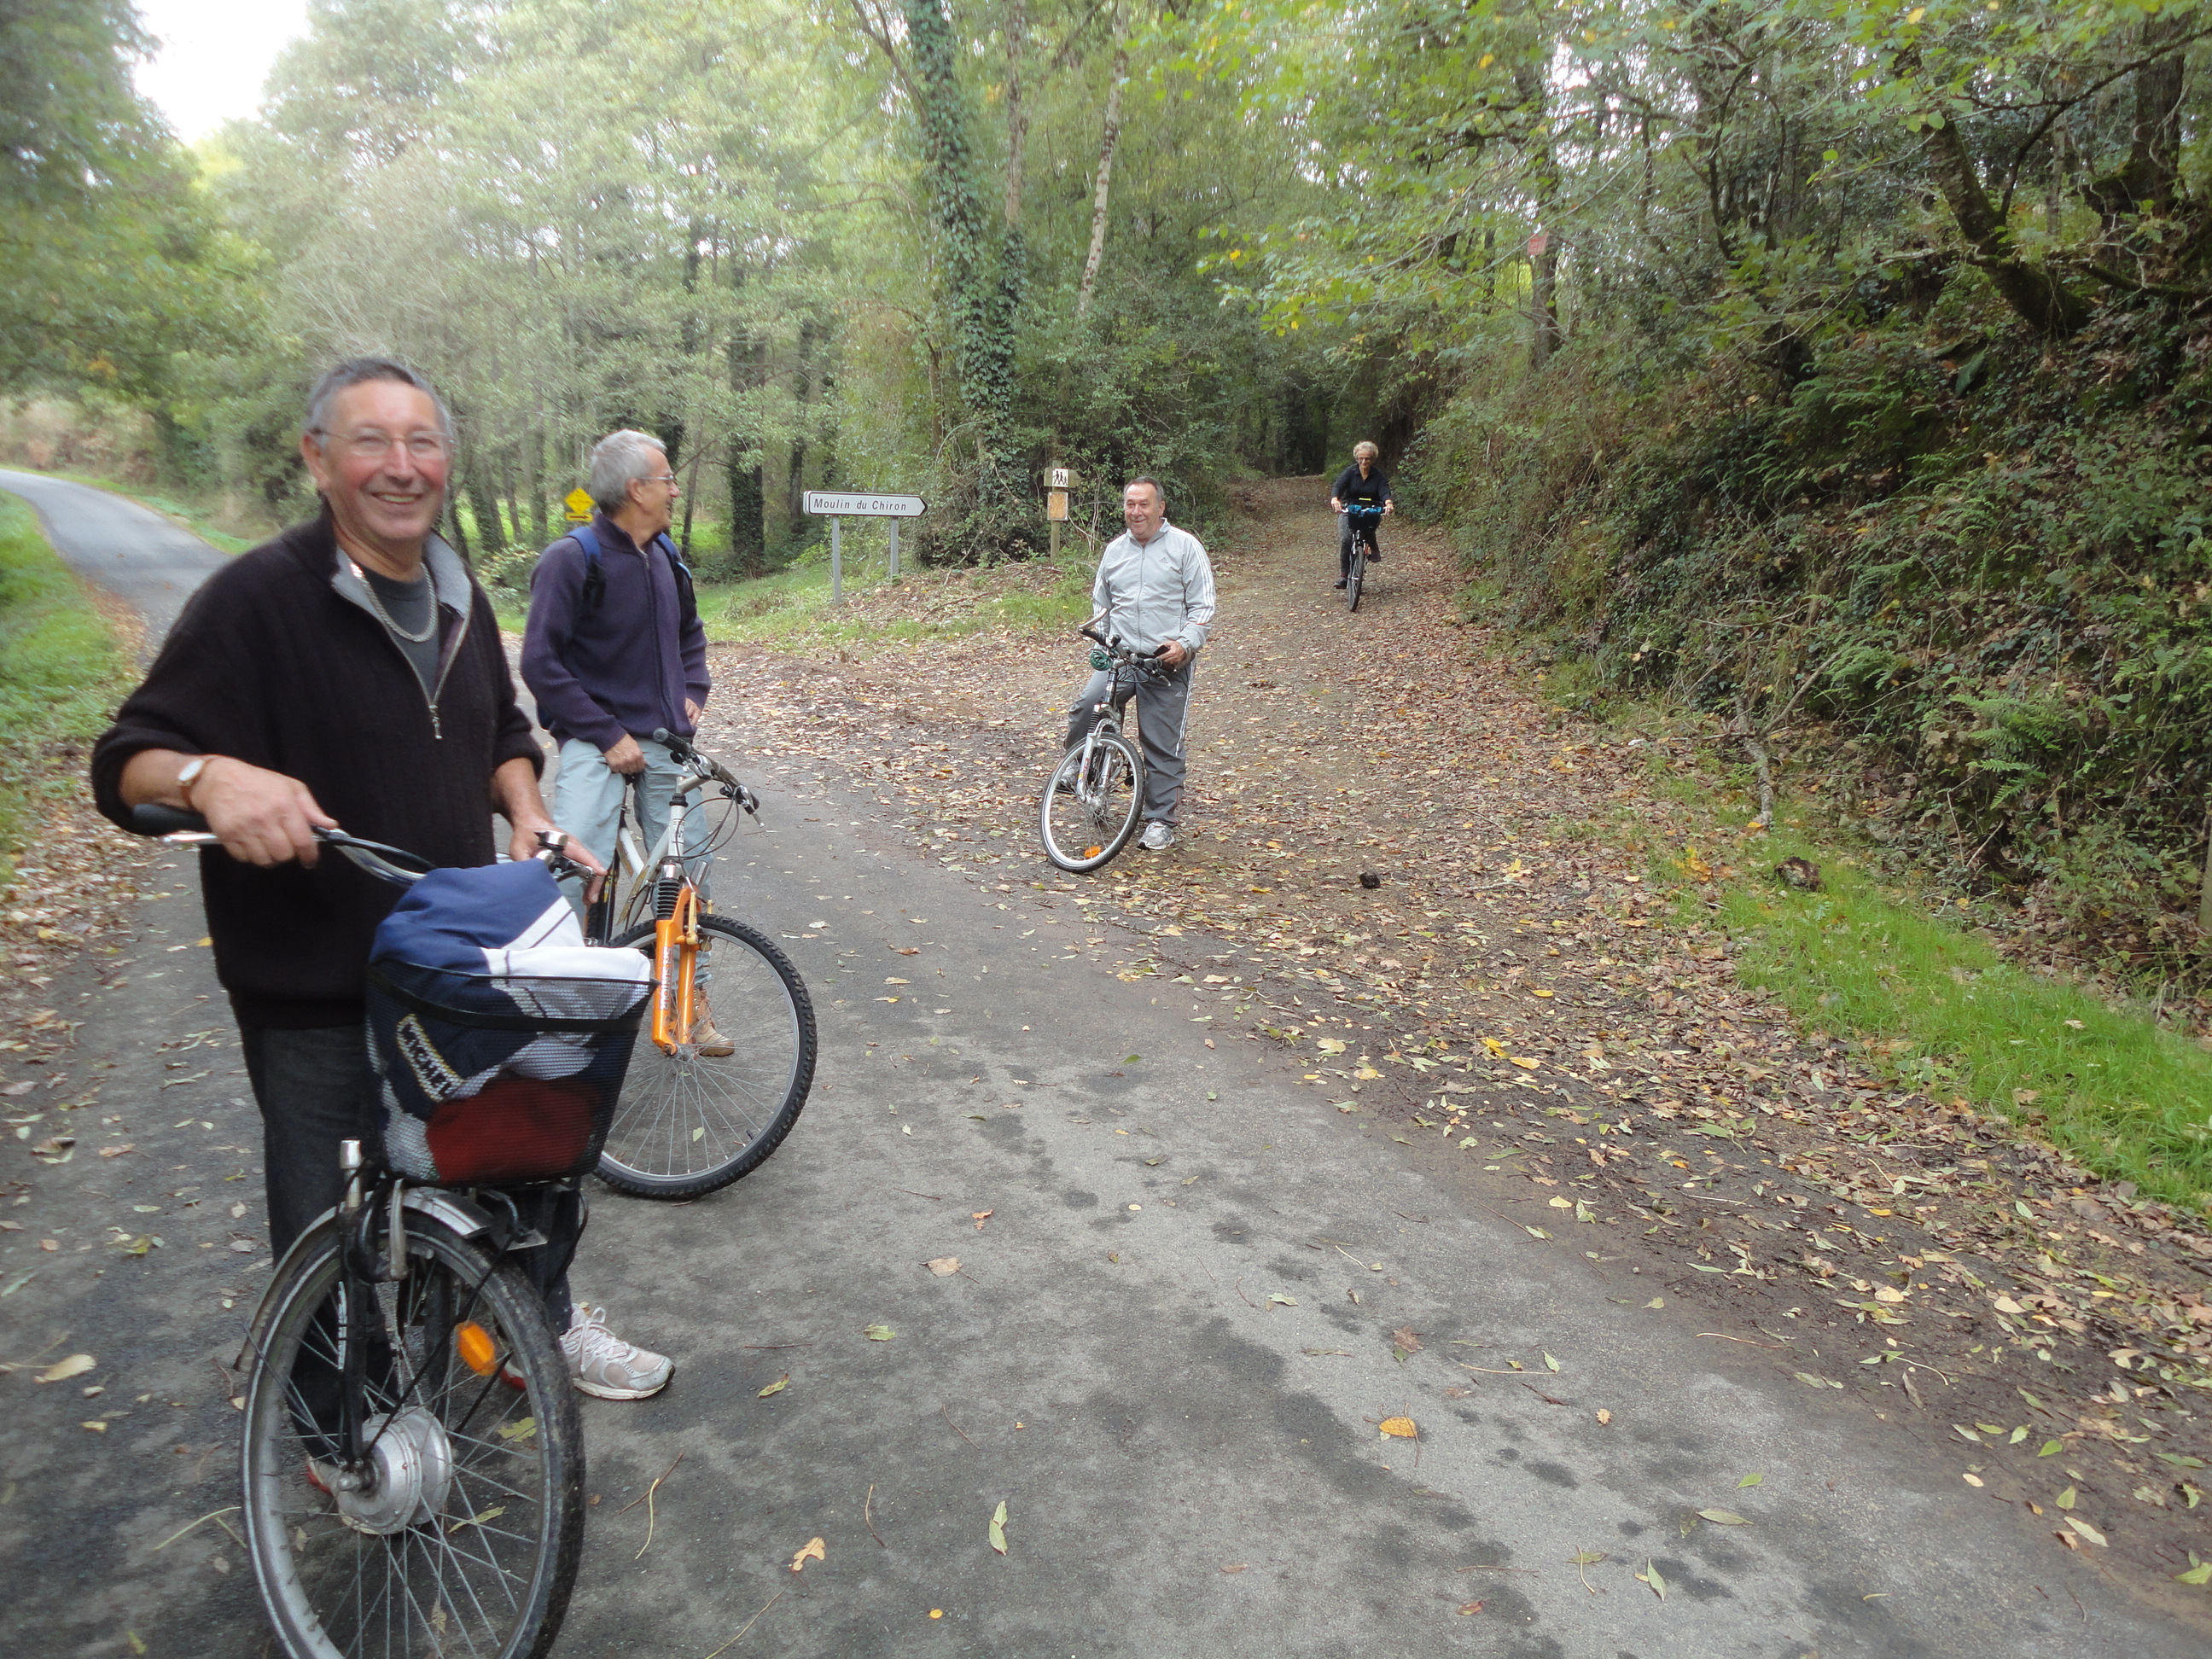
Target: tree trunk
[[1017, 119], [1111, 137], [1543, 298], [2033, 291], [1543, 182], [2145, 182], [803, 391]]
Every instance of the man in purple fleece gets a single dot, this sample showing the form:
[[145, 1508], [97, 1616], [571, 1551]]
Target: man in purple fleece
[[613, 652]]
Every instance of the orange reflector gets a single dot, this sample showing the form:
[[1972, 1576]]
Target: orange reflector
[[474, 1345], [1092, 852]]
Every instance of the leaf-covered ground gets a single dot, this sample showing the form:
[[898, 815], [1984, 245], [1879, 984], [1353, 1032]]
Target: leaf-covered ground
[[1529, 993]]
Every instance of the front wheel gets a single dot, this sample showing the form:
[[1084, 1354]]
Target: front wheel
[[1089, 813], [459, 1529], [689, 1121], [1356, 578]]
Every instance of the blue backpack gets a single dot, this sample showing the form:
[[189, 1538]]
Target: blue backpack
[[595, 576]]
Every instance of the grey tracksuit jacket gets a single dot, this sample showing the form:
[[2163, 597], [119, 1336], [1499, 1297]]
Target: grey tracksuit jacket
[[1161, 590]]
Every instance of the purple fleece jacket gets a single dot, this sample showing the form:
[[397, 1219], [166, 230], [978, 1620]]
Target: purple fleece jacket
[[628, 667]]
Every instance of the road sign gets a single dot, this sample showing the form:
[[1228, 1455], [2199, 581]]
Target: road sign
[[1055, 506], [1060, 477], [579, 503], [825, 503]]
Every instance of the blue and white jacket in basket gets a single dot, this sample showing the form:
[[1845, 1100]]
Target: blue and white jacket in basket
[[499, 1038]]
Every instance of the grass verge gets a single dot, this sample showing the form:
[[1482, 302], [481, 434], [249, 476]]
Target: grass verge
[[60, 675], [1937, 1009], [790, 608]]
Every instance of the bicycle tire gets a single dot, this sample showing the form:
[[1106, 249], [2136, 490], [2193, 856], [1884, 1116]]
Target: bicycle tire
[[1092, 831], [688, 1123], [1357, 578], [462, 1570]]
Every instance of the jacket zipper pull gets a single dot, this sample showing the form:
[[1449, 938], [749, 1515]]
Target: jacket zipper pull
[[437, 728]]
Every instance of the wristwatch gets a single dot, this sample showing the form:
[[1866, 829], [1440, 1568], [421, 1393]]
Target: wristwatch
[[188, 776]]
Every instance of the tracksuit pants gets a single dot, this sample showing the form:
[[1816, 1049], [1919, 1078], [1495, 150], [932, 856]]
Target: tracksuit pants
[[1162, 712]]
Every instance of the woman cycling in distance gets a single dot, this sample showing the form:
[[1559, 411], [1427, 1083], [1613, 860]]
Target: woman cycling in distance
[[1360, 484]]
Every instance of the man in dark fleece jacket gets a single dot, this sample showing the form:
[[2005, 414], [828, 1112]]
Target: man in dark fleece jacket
[[349, 672], [614, 653]]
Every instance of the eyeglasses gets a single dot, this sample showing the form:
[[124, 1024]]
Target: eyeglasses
[[370, 445], [668, 478]]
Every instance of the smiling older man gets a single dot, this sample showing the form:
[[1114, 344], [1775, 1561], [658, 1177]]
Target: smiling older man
[[349, 672]]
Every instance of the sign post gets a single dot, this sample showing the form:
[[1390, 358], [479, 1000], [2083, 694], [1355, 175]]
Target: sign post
[[579, 503], [1058, 480], [837, 505]]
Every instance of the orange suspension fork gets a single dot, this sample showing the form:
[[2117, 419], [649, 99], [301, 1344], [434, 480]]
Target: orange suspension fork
[[675, 959]]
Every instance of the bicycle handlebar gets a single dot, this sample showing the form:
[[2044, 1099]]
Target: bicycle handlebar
[[684, 750], [393, 864]]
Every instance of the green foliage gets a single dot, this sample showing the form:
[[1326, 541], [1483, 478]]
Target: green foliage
[[1942, 1013], [60, 674], [110, 265]]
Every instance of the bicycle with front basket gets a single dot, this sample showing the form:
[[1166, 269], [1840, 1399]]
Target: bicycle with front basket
[[1096, 795], [413, 1462], [695, 1116]]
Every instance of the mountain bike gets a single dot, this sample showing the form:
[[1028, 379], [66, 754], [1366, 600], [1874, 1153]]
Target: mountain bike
[[413, 1462], [1096, 795], [1361, 522], [693, 1116]]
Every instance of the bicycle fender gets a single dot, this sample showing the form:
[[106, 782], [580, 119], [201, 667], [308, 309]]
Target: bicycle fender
[[440, 1204]]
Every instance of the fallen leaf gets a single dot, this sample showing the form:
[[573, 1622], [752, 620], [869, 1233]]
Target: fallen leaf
[[1236, 1566], [2050, 1448], [2065, 1499], [1813, 1381], [61, 1370], [1406, 1338], [943, 1266], [116, 1151], [982, 1216], [1604, 1416], [1971, 1479], [815, 1550], [479, 1517], [776, 1386], [520, 1430], [1650, 1576], [1467, 1607], [1277, 1299], [998, 1528], [1656, 1302], [1400, 1428], [1550, 1364], [2087, 1531], [880, 1332], [2199, 1574], [1749, 1481], [1724, 1517]]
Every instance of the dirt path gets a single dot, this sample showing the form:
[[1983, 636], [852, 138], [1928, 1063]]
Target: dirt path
[[1523, 990]]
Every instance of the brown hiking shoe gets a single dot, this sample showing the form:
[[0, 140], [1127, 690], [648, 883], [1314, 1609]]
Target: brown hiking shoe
[[705, 1039]]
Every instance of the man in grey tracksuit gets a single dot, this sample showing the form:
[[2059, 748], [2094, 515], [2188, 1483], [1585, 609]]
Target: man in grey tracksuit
[[1154, 590]]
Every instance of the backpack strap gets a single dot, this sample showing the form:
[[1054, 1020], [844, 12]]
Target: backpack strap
[[595, 575]]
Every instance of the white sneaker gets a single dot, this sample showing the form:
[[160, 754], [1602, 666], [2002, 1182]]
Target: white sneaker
[[606, 1367], [1158, 836]]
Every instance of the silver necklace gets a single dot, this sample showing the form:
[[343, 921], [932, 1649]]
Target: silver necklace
[[376, 606]]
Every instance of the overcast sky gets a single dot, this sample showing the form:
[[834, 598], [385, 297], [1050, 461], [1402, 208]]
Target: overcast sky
[[213, 57]]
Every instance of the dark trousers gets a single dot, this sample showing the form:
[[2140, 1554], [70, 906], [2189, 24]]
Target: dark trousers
[[314, 1090], [1344, 543]]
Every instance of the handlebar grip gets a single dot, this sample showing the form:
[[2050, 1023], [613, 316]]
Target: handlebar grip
[[154, 819], [660, 735]]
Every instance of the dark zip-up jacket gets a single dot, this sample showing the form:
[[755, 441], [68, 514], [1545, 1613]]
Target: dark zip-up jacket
[[627, 667], [279, 661], [1372, 490]]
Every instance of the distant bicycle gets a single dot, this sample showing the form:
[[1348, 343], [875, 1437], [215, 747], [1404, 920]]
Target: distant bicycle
[[693, 1116], [1096, 795], [1361, 521]]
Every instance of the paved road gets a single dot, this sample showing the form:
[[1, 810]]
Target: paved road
[[1168, 1351], [130, 549]]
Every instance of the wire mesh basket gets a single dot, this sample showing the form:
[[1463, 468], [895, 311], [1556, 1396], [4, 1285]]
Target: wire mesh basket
[[485, 1080]]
